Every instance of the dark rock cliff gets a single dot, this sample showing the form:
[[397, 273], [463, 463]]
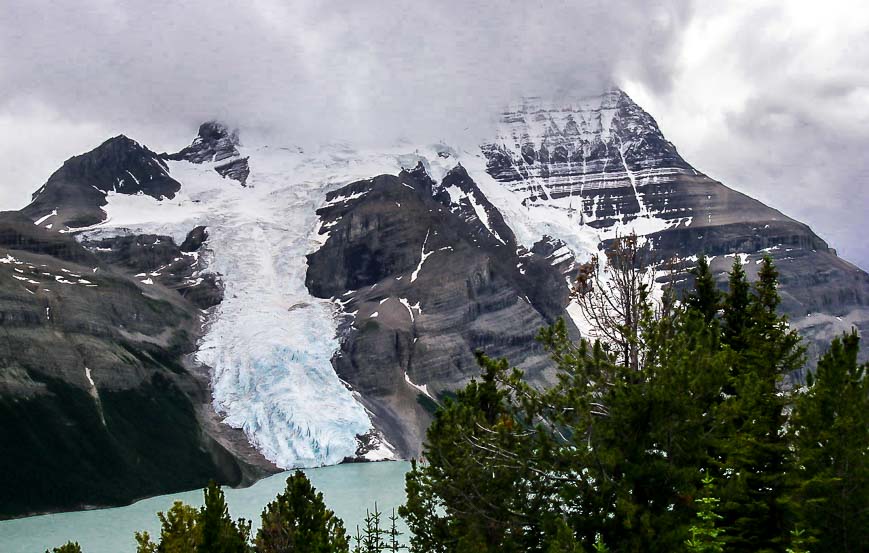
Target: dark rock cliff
[[99, 401], [215, 143], [73, 195], [423, 284]]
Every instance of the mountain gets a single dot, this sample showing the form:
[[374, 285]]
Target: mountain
[[98, 401], [604, 162], [262, 306], [425, 274]]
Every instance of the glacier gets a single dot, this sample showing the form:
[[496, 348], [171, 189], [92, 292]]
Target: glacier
[[269, 343]]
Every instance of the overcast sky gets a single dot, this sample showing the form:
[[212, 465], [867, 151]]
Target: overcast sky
[[769, 97]]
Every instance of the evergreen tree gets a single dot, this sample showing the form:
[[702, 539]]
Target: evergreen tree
[[753, 453], [219, 534], [705, 535], [600, 545], [393, 534], [464, 499], [735, 305], [561, 539], [372, 538], [298, 521], [705, 298], [179, 532], [185, 529], [610, 449], [830, 431], [799, 542]]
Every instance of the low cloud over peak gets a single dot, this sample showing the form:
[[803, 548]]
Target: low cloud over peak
[[769, 97]]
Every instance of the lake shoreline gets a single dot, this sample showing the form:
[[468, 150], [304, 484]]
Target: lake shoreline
[[245, 483]]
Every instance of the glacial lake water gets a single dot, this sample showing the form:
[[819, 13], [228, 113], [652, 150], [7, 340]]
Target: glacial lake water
[[347, 489]]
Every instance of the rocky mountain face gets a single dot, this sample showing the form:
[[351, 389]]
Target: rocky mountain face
[[424, 281], [75, 194], [217, 145], [99, 401], [604, 163], [263, 307]]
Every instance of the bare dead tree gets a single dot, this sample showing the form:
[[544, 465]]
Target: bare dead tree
[[613, 294]]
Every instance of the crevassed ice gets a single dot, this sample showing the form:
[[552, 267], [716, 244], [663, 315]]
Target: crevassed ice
[[269, 342]]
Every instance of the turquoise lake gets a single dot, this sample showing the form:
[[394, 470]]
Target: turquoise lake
[[348, 490]]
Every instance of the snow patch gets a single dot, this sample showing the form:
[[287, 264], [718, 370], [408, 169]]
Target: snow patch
[[45, 217], [411, 308], [421, 388], [422, 257]]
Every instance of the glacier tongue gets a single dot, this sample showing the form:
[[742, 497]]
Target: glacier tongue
[[269, 342]]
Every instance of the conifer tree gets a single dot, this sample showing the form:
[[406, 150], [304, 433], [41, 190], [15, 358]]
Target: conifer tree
[[561, 539], [298, 521], [735, 305], [457, 501], [184, 529], [705, 535], [830, 430], [219, 533], [636, 437], [393, 534], [754, 451], [372, 538], [179, 532], [705, 298]]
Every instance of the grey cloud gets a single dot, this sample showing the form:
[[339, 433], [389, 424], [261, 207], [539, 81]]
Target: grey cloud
[[351, 70], [773, 100]]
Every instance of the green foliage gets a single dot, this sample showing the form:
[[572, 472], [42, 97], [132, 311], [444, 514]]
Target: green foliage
[[600, 546], [179, 531], [611, 453], [753, 451], [735, 304], [393, 533], [298, 521], [374, 538], [705, 298], [185, 529], [454, 500], [561, 539], [219, 533], [144, 544], [613, 450], [830, 431], [799, 542], [705, 536], [69, 547]]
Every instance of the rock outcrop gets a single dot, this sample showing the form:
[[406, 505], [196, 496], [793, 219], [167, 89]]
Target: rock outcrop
[[423, 282], [74, 194], [124, 340], [100, 401], [216, 144]]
